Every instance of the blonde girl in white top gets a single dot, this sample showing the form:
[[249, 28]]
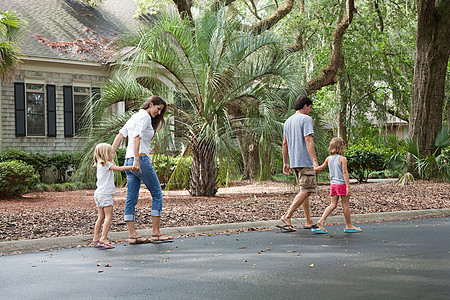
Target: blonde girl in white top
[[103, 196]]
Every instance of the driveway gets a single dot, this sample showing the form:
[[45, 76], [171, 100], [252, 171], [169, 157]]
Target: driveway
[[389, 260]]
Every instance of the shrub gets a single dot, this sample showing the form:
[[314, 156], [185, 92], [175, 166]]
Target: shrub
[[65, 164], [181, 174], [164, 166], [364, 158], [16, 178], [37, 160]]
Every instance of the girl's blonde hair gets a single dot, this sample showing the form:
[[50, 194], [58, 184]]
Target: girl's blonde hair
[[337, 146], [101, 154]]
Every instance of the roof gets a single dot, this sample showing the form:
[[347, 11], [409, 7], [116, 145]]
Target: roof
[[68, 29]]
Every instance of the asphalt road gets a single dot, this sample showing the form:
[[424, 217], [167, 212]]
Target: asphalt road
[[389, 260]]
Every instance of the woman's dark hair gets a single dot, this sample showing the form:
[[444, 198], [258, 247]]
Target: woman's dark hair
[[158, 122], [301, 101]]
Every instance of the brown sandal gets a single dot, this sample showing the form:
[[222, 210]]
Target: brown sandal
[[160, 237], [138, 240]]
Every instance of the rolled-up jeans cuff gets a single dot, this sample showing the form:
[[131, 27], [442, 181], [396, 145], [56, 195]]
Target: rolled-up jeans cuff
[[155, 213], [128, 218]]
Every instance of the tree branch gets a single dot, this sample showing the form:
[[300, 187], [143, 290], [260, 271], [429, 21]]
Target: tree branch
[[330, 71], [184, 8], [276, 16]]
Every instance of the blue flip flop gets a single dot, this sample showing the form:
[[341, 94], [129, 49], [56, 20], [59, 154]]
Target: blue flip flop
[[353, 230], [318, 230]]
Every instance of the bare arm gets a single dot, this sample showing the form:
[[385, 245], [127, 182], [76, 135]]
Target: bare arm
[[322, 167], [284, 151], [120, 168], [343, 162], [117, 141], [136, 163], [311, 149]]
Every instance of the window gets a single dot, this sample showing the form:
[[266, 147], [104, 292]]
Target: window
[[80, 96], [35, 108]]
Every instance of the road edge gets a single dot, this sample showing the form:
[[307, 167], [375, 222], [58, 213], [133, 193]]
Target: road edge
[[24, 246]]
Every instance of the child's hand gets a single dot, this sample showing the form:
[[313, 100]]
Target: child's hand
[[349, 192]]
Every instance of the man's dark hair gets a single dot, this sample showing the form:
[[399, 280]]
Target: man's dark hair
[[301, 101]]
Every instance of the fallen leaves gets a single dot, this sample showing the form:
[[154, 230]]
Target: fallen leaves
[[55, 214]]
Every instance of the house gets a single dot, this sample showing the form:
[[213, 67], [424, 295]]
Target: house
[[66, 46]]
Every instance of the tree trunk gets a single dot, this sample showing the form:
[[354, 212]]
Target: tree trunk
[[250, 154], [204, 172], [328, 76], [342, 117], [430, 67]]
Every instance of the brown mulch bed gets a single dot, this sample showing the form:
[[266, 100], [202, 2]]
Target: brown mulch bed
[[54, 214]]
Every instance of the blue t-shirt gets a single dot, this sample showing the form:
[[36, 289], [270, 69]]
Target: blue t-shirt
[[296, 128]]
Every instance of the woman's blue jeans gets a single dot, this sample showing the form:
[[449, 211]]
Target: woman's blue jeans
[[148, 176]]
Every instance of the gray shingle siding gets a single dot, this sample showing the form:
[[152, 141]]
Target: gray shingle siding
[[47, 144], [51, 23]]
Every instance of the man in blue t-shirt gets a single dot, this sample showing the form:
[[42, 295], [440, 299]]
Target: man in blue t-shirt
[[299, 154]]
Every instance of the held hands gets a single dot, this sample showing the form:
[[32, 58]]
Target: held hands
[[136, 167], [316, 167]]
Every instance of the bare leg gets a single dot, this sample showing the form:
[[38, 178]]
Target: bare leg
[[107, 224], [307, 211], [132, 230], [156, 233], [346, 208], [298, 200], [98, 224], [328, 210]]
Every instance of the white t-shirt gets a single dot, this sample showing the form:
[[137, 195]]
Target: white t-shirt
[[105, 179], [296, 128], [140, 124]]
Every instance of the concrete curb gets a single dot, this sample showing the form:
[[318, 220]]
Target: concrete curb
[[83, 240]]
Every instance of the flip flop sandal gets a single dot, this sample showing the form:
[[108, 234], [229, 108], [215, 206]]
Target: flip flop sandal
[[160, 238], [97, 244], [286, 228], [311, 227], [138, 240], [354, 230], [318, 230], [106, 245]]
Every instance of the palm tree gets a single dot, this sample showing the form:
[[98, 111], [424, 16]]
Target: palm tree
[[11, 28], [224, 81]]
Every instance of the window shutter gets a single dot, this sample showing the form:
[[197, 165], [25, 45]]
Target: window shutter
[[51, 110], [19, 107], [68, 110]]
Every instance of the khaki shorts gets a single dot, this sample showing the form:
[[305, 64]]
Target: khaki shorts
[[306, 179]]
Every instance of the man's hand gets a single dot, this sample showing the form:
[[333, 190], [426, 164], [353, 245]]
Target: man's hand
[[316, 165], [286, 169]]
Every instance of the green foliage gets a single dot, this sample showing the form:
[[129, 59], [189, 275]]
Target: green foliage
[[65, 164], [164, 166], [364, 158], [181, 175], [434, 165], [37, 160], [16, 178], [11, 31]]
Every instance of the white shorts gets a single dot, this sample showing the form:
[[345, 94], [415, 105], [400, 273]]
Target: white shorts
[[103, 200]]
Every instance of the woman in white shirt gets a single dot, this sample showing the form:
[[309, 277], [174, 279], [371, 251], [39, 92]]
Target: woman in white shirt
[[140, 129]]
